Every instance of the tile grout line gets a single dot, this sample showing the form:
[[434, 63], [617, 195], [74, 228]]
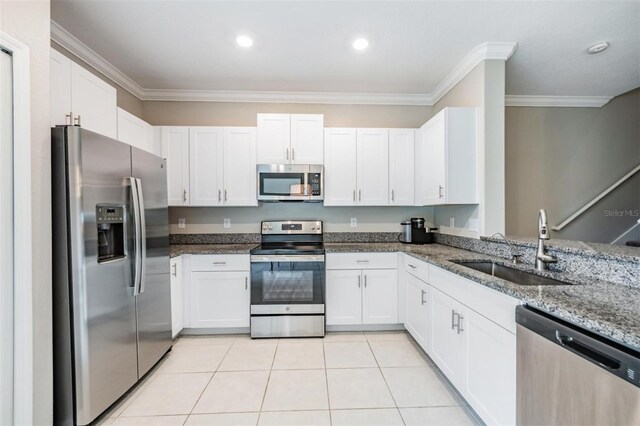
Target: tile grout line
[[326, 380], [385, 380], [264, 396]]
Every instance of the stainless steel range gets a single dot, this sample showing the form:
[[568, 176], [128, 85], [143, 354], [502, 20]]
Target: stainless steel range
[[288, 280]]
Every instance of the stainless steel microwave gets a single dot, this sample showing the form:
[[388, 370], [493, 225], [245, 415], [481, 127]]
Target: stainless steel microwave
[[290, 182]]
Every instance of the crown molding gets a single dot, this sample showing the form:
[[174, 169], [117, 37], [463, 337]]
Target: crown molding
[[286, 97], [484, 51], [67, 40], [557, 101]]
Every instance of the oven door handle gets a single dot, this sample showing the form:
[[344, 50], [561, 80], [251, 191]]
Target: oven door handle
[[257, 258]]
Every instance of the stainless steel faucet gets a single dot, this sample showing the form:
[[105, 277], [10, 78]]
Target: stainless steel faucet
[[515, 257], [542, 258]]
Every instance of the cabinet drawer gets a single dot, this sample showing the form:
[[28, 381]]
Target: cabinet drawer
[[417, 268], [489, 303], [220, 262], [362, 261]]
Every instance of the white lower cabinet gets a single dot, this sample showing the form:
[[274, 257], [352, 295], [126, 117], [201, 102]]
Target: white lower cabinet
[[177, 323], [380, 296], [417, 310], [344, 297], [217, 291]]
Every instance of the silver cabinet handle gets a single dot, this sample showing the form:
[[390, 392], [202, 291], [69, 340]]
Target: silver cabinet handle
[[359, 278], [460, 329], [246, 283], [175, 269], [219, 195], [293, 154], [225, 195], [393, 196], [453, 322], [184, 195], [362, 261], [359, 194], [411, 266], [440, 191], [77, 120], [422, 300], [68, 118], [287, 153], [365, 281], [354, 195], [219, 263]]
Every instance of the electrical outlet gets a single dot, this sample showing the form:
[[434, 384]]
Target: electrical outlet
[[452, 222], [227, 222], [182, 223], [354, 222]]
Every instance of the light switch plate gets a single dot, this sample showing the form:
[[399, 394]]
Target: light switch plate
[[227, 222], [354, 222], [182, 223]]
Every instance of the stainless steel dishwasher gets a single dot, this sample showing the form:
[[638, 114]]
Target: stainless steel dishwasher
[[570, 376]]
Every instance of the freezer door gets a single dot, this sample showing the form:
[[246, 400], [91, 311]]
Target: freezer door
[[101, 306], [154, 298]]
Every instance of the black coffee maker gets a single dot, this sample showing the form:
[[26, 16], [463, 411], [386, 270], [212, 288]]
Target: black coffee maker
[[414, 232]]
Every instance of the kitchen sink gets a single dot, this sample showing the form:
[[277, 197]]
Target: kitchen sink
[[510, 274]]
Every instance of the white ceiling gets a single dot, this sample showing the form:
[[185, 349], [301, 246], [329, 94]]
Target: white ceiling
[[304, 46]]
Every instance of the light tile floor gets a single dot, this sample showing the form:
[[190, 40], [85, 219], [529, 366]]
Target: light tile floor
[[344, 379]]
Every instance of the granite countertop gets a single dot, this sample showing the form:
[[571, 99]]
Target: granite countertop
[[612, 310], [180, 249]]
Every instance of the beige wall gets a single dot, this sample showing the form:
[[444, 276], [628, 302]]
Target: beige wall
[[245, 113], [28, 22], [560, 158], [126, 100]]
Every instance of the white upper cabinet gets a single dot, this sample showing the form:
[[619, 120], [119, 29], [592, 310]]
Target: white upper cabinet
[[340, 153], [87, 99], [136, 132], [356, 167], [373, 167], [239, 175], [175, 148], [290, 138], [401, 167], [445, 161], [206, 166], [307, 136]]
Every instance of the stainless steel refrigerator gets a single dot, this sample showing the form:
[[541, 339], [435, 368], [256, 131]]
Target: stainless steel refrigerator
[[111, 286]]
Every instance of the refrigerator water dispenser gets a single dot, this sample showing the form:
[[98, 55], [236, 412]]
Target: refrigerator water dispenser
[[111, 239]]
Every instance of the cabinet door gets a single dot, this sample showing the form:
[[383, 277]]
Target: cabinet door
[[206, 166], [490, 369], [401, 166], [344, 297], [417, 310], [373, 167], [340, 161], [431, 162], [175, 148], [133, 131], [447, 343], [307, 136], [60, 79], [219, 299], [176, 295], [274, 139], [380, 296], [94, 102], [240, 166]]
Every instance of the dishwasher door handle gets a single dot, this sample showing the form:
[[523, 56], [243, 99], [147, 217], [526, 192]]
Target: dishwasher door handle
[[591, 354]]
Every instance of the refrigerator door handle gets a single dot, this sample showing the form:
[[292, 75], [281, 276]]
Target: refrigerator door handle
[[136, 238], [143, 238]]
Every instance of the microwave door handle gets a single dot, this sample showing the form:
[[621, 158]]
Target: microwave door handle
[[143, 238], [136, 237]]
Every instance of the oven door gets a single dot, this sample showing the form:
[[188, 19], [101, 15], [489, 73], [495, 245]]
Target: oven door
[[283, 284]]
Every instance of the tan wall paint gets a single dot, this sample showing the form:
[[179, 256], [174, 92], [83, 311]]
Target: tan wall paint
[[125, 99], [245, 113], [560, 158], [28, 22]]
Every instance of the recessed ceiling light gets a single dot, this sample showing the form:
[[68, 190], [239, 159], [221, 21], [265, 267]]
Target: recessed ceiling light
[[598, 47], [244, 41], [360, 43]]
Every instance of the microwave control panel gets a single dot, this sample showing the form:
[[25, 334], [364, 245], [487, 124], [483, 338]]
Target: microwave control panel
[[314, 183]]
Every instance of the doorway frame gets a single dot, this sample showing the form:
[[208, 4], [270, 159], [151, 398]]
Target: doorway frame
[[22, 241]]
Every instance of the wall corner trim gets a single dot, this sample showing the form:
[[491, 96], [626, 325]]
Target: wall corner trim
[[557, 101], [67, 40]]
